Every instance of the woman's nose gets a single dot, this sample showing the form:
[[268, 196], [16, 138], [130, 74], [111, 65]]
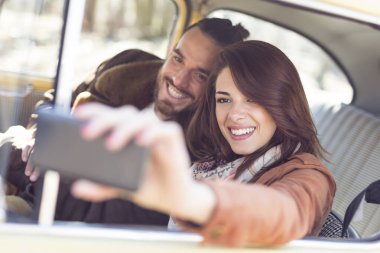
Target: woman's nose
[[237, 112]]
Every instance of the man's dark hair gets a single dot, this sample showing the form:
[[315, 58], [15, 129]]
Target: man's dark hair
[[222, 31]]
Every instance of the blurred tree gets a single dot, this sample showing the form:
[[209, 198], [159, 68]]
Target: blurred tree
[[144, 10], [89, 16], [125, 19], [115, 20], [152, 19], [1, 4]]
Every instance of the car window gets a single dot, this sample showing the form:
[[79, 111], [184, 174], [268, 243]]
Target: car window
[[323, 79], [30, 33], [125, 24]]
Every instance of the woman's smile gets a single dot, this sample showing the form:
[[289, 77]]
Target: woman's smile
[[241, 133]]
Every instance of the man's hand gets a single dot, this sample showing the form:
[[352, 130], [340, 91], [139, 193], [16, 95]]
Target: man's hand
[[30, 171], [22, 138]]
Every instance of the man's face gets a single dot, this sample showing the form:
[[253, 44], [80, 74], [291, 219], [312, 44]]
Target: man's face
[[185, 73]]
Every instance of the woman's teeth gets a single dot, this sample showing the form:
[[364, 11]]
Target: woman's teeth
[[243, 131]]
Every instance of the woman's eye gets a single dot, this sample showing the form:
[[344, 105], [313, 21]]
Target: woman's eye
[[222, 100]]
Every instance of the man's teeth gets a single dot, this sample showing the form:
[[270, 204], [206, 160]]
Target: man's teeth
[[174, 92], [243, 131]]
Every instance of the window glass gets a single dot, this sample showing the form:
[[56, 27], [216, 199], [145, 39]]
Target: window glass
[[30, 34], [322, 78], [115, 25]]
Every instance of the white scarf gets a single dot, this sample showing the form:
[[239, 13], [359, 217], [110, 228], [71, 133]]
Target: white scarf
[[228, 171]]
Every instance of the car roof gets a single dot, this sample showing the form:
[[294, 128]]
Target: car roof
[[371, 7]]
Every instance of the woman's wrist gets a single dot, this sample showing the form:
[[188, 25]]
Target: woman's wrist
[[198, 204]]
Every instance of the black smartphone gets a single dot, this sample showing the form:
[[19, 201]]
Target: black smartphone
[[59, 147]]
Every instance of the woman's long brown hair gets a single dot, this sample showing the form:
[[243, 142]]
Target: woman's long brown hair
[[264, 74]]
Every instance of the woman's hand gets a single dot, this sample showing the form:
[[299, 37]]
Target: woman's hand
[[167, 184]]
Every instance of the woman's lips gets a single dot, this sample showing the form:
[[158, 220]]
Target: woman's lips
[[241, 133]]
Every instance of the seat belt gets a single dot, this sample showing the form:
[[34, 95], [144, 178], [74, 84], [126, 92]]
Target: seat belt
[[371, 194]]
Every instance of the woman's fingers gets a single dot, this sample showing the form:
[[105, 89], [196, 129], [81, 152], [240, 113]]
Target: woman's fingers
[[29, 167], [122, 124], [89, 110], [130, 128], [90, 191], [166, 139], [102, 119], [25, 153], [160, 131], [34, 175], [168, 155]]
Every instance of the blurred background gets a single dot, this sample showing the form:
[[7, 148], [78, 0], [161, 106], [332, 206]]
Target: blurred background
[[30, 33]]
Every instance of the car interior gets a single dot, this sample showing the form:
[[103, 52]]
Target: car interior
[[333, 44]]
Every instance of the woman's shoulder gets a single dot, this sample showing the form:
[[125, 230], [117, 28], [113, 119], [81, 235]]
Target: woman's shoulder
[[306, 159], [299, 162], [309, 168]]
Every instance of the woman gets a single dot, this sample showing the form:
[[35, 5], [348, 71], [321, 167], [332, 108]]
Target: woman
[[258, 179]]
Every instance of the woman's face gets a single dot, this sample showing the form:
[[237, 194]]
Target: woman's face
[[246, 125]]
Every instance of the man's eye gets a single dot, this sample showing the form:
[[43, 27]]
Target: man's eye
[[177, 58], [222, 100], [201, 77]]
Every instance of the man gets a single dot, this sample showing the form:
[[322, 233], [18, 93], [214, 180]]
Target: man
[[141, 79]]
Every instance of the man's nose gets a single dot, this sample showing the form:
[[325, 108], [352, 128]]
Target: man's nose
[[182, 78]]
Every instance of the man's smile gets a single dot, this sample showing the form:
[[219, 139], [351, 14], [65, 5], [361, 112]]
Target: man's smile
[[174, 92]]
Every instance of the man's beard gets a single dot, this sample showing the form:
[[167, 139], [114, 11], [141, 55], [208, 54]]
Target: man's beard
[[166, 109]]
